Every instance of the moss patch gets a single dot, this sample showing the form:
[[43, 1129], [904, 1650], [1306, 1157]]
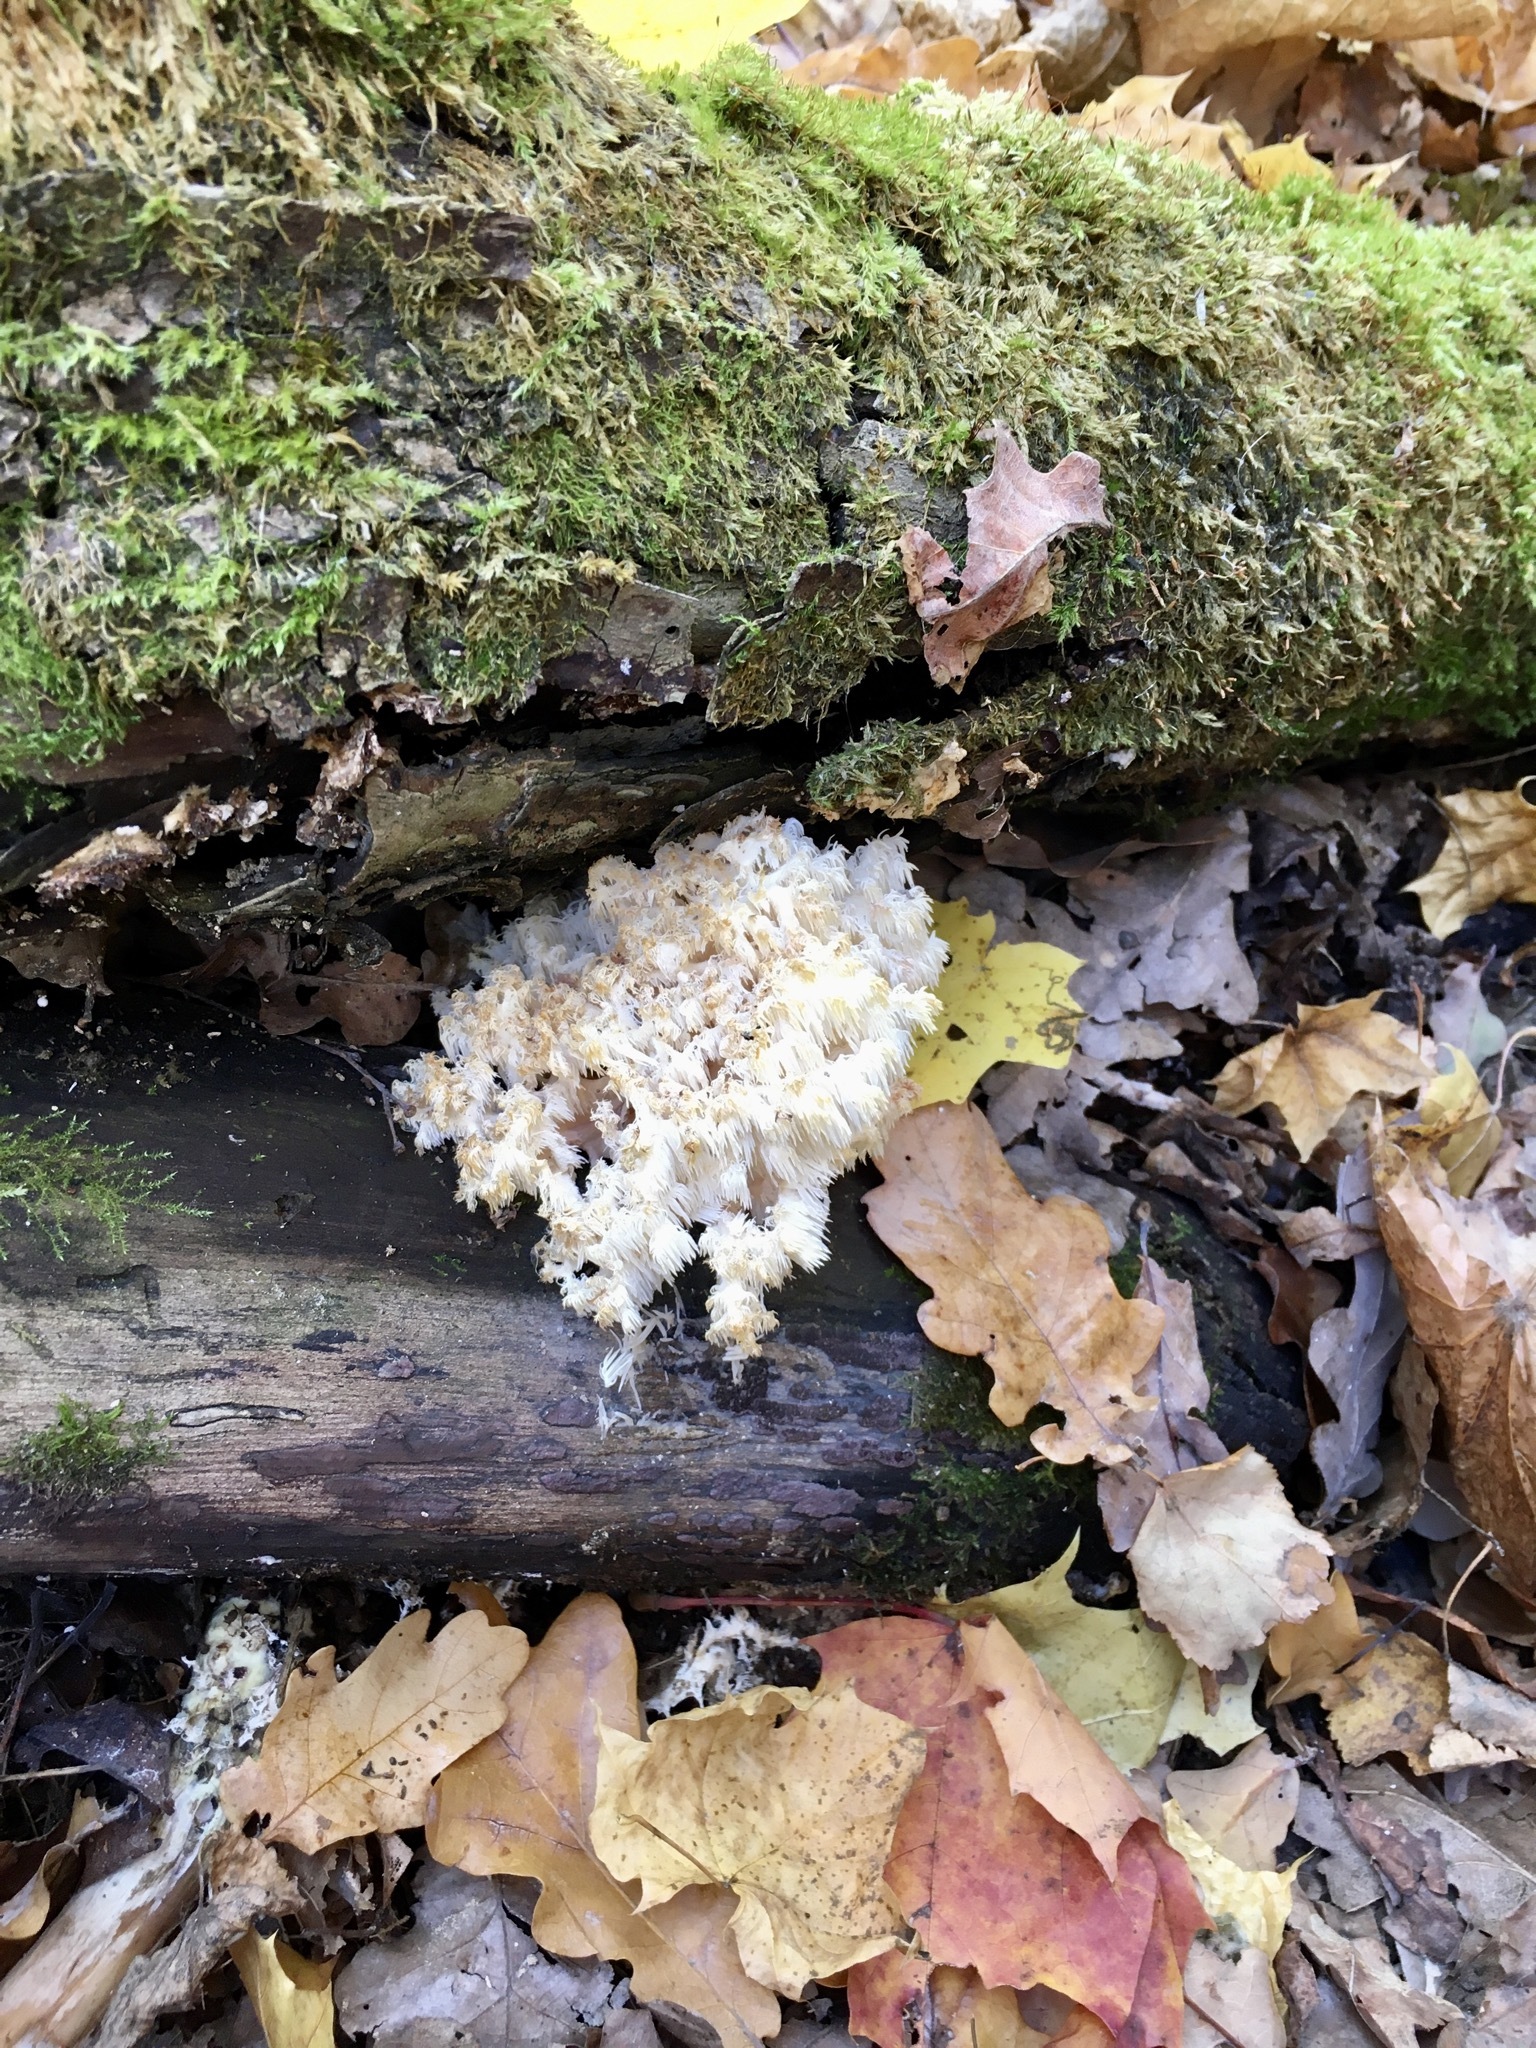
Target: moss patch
[[342, 343], [53, 1174], [87, 1454]]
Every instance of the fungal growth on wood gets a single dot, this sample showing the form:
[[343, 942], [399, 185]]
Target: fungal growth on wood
[[697, 1047]]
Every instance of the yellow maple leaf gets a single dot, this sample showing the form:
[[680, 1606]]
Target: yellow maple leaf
[[657, 32], [1006, 1002], [1489, 857]]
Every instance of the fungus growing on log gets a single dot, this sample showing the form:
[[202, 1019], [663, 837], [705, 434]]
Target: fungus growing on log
[[696, 1047]]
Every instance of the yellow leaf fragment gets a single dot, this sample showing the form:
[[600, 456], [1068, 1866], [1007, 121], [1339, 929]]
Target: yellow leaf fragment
[[1114, 1672], [1227, 1725], [357, 1756], [789, 1797], [1221, 1558], [1489, 856], [518, 1806], [24, 1914], [1313, 1069], [1021, 1283], [290, 1994], [1457, 1123], [1267, 169], [1258, 1900], [1389, 1701], [1050, 1755], [1007, 1002], [653, 33]]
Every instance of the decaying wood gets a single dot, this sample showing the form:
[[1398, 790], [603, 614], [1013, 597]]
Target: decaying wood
[[357, 1373]]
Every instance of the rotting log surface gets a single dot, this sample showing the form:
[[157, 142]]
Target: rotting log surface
[[357, 1373]]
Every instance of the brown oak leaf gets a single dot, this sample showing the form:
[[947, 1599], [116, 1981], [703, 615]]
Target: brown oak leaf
[[1024, 1284]]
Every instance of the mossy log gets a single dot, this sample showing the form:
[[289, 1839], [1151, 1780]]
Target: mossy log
[[418, 353], [349, 1371]]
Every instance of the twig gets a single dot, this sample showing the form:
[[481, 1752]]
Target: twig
[[58, 1771], [350, 1059], [1445, 1612], [34, 1666]]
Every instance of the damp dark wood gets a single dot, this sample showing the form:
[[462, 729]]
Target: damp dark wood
[[356, 1373]]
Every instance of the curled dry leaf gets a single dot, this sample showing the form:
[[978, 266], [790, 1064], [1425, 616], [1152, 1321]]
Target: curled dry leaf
[[352, 1757], [1176, 34], [791, 1798], [1493, 67], [1006, 1002], [993, 1882], [1021, 1283], [1304, 1655], [518, 1806], [290, 1994], [1489, 856], [1313, 1069], [1117, 1675], [870, 68], [1012, 519], [1221, 1558], [26, 1910], [1468, 1284]]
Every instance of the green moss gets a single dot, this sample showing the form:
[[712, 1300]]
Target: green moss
[[87, 1454], [52, 1174], [720, 273]]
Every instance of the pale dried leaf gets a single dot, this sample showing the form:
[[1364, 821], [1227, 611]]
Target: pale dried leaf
[[1496, 1714], [1493, 66], [1230, 1999], [1392, 2010], [1221, 1558], [1021, 1283], [357, 1756], [1313, 1069], [1141, 111], [1243, 1808], [1468, 1283], [1489, 856], [466, 1965], [789, 1797], [1353, 1350]]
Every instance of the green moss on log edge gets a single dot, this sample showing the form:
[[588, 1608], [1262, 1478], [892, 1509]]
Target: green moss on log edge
[[363, 344]]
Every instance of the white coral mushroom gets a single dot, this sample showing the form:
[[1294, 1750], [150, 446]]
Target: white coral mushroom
[[699, 1046]]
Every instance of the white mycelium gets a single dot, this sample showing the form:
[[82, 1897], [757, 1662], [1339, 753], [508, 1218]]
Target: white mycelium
[[679, 1065]]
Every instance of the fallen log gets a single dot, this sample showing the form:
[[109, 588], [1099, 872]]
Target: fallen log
[[425, 358], [351, 1372]]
